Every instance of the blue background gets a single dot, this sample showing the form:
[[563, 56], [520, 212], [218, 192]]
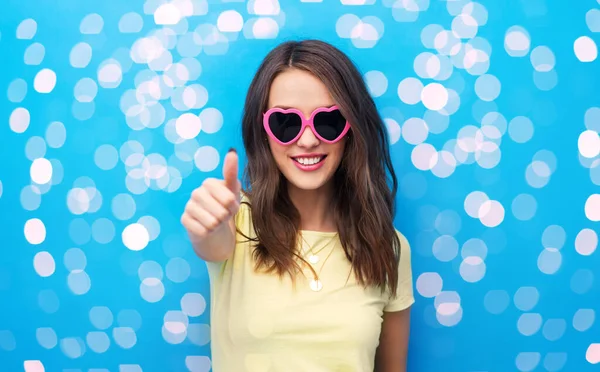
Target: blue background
[[505, 282]]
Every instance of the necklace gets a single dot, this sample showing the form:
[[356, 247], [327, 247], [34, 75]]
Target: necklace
[[314, 258], [315, 284]]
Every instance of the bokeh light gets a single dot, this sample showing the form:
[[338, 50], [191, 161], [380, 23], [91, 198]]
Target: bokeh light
[[112, 120]]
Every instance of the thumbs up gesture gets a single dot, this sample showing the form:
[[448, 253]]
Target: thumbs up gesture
[[208, 215]]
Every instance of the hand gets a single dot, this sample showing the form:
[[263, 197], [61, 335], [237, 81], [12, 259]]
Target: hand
[[213, 205]]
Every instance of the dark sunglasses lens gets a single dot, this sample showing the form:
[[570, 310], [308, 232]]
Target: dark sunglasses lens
[[285, 127], [330, 125]]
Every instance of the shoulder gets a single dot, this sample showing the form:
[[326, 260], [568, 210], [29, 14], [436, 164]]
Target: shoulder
[[404, 243], [244, 200], [244, 197], [401, 236], [244, 215], [404, 297], [405, 264], [243, 220]]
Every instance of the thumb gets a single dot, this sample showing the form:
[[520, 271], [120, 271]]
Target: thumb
[[230, 171]]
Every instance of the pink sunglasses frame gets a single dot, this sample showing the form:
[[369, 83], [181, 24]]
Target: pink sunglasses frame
[[305, 123]]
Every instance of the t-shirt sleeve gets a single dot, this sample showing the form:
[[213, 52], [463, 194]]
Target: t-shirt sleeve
[[404, 297]]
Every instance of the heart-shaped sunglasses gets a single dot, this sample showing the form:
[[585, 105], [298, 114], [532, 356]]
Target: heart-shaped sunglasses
[[286, 125]]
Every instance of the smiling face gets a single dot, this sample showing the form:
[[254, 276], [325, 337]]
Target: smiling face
[[308, 163]]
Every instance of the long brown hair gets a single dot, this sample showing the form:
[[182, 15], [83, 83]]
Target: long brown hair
[[364, 201]]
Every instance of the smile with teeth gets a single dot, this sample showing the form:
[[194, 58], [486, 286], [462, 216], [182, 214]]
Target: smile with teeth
[[309, 161]]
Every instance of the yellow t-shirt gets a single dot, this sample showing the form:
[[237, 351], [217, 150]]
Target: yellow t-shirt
[[262, 323]]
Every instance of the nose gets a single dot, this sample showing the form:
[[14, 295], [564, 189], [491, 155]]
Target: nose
[[308, 139]]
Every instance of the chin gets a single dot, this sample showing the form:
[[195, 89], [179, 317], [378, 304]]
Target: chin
[[307, 181], [306, 184]]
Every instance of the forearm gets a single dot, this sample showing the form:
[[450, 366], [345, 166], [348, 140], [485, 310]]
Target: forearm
[[216, 247]]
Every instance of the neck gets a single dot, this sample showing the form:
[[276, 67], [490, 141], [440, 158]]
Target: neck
[[314, 207]]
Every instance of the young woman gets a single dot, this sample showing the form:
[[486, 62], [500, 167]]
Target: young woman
[[307, 270]]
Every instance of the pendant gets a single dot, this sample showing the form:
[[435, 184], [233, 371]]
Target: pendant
[[313, 259], [316, 285]]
